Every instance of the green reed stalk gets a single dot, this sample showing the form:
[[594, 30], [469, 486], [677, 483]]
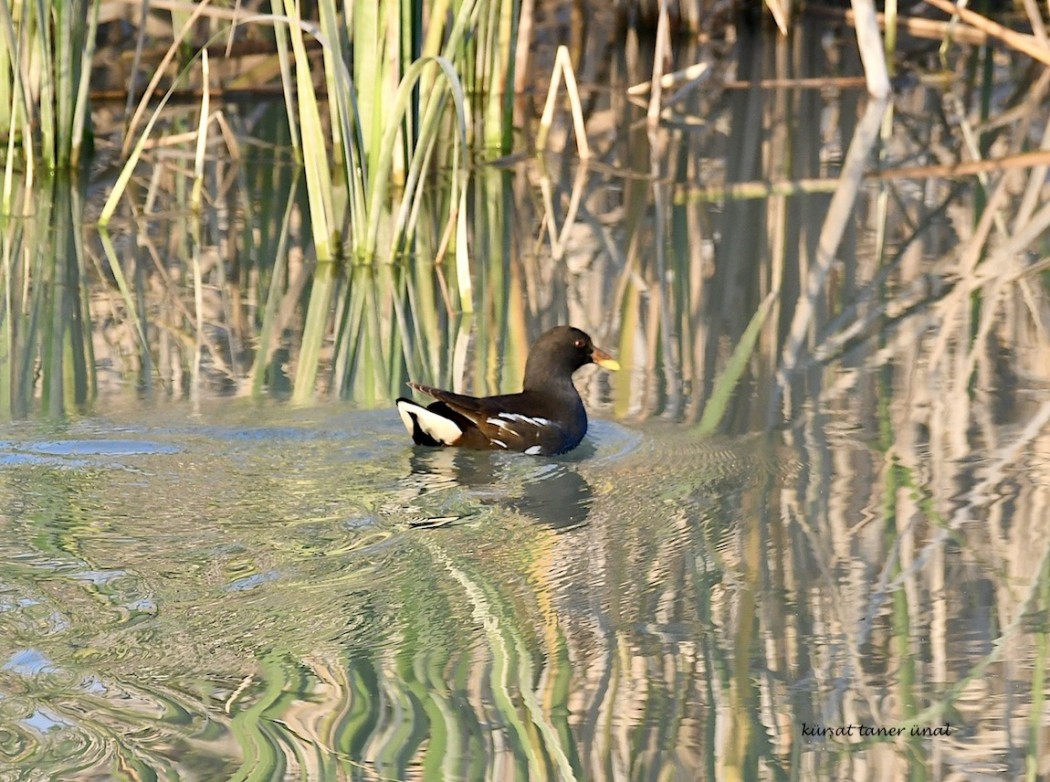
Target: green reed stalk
[[368, 167], [11, 83], [389, 123], [86, 376], [314, 331], [81, 107], [348, 314], [338, 87], [323, 215], [495, 58], [269, 326], [65, 17], [426, 325], [431, 126], [399, 333], [280, 36], [15, 122], [722, 392], [122, 284], [315, 160], [44, 50], [44, 73], [45, 345], [7, 252], [495, 299], [73, 366], [370, 337], [52, 380], [369, 56], [8, 187]]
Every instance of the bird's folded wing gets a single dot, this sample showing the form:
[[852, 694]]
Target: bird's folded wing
[[512, 430]]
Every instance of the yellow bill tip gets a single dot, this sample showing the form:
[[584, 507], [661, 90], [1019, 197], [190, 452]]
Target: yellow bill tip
[[604, 360]]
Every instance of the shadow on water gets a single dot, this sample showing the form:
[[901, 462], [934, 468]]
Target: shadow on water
[[198, 580]]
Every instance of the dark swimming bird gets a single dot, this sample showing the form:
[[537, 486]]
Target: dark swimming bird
[[545, 419]]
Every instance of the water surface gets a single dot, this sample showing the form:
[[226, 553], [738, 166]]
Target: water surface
[[255, 591]]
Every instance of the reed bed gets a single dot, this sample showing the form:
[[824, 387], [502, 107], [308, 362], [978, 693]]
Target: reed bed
[[366, 171], [295, 314]]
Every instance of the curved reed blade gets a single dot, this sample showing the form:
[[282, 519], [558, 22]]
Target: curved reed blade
[[722, 392]]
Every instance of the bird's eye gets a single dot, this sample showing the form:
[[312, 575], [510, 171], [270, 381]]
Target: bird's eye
[[580, 343]]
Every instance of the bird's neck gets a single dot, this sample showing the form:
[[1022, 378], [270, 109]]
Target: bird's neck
[[550, 386]]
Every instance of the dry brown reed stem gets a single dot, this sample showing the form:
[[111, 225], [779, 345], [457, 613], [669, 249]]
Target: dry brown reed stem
[[1027, 44], [809, 83], [563, 70], [781, 11], [193, 96], [966, 167], [955, 307], [914, 26], [215, 12], [158, 76], [1037, 176], [1001, 269], [838, 214], [694, 73], [992, 275], [1035, 18], [872, 53], [560, 236], [661, 56], [741, 190], [526, 23]]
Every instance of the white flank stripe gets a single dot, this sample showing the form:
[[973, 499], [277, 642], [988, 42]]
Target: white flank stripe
[[533, 450], [500, 443], [502, 419]]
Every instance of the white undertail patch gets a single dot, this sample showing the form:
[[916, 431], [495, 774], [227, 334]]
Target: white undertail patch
[[534, 450], [437, 426]]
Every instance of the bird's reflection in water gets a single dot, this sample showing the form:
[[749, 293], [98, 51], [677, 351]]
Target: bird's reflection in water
[[549, 490]]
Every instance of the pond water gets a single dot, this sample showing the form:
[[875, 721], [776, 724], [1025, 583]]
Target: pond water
[[247, 590], [805, 537], [257, 591]]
